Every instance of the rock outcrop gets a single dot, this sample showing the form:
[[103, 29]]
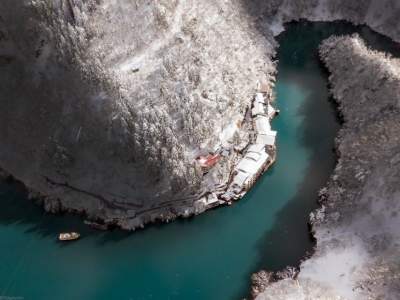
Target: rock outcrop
[[356, 228]]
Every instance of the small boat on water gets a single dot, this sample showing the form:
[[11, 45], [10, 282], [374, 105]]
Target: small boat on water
[[68, 236]]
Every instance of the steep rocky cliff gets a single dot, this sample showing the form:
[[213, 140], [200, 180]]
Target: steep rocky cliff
[[106, 104]]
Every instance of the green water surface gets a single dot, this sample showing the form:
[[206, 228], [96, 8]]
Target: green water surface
[[207, 257]]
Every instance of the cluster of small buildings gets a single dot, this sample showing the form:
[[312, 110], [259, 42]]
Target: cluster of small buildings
[[258, 155], [262, 113], [256, 158]]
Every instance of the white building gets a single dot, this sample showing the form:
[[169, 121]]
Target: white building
[[250, 166], [256, 148], [240, 179], [268, 139], [262, 125], [256, 157]]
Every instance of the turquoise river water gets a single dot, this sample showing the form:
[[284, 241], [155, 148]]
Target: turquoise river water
[[208, 257]]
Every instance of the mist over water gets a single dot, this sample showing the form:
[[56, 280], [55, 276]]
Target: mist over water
[[210, 256]]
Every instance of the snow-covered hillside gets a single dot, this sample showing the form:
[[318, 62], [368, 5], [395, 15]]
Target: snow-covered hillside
[[109, 102]]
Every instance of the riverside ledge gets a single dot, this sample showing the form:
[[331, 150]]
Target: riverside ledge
[[249, 159]]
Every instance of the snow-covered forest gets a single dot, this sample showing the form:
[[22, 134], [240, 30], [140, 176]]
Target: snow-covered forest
[[117, 98]]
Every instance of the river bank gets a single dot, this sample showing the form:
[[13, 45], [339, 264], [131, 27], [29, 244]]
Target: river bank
[[118, 128], [354, 258], [378, 15], [141, 158], [257, 232], [248, 161], [381, 16]]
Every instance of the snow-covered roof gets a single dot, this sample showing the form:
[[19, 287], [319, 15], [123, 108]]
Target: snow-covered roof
[[253, 155], [258, 109], [250, 166], [262, 124], [240, 179], [266, 139], [246, 166], [256, 148]]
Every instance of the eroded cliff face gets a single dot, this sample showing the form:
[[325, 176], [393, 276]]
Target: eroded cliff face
[[107, 103], [357, 227]]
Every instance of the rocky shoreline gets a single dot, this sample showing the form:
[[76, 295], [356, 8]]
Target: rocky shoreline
[[116, 159], [219, 194], [356, 226], [123, 114]]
